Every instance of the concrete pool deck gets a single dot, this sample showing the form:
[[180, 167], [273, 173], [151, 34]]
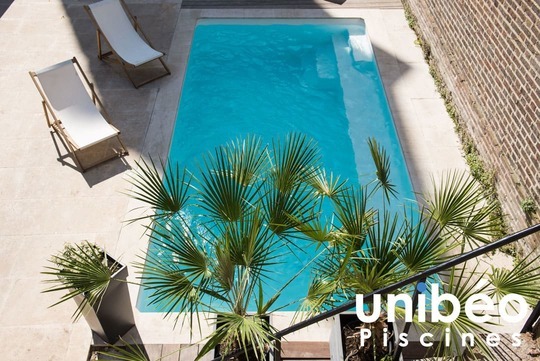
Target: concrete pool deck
[[46, 203]]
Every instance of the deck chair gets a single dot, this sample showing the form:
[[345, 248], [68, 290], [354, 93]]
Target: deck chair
[[124, 37], [72, 112]]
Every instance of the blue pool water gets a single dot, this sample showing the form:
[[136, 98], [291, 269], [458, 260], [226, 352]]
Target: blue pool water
[[274, 77]]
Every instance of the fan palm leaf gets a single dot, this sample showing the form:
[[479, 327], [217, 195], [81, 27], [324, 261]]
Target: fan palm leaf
[[352, 212], [177, 269], [462, 283], [381, 160], [523, 280], [236, 332], [421, 245], [221, 193], [81, 270], [326, 185], [460, 207], [249, 241], [319, 296], [249, 158], [287, 210], [165, 195], [296, 161]]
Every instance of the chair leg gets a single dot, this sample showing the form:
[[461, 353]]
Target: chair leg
[[165, 66], [129, 75], [98, 35], [125, 151], [46, 113], [69, 146], [101, 54]]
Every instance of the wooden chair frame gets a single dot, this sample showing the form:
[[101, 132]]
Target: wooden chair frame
[[58, 127], [125, 66]]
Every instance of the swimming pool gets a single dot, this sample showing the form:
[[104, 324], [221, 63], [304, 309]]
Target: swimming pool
[[273, 77]]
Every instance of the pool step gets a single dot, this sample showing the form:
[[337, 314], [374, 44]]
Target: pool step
[[313, 351]]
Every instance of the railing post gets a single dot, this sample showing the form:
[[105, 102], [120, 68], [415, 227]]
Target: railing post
[[534, 317], [399, 348], [277, 349]]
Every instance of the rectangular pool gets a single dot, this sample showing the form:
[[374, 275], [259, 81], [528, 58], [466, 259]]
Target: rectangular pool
[[273, 77]]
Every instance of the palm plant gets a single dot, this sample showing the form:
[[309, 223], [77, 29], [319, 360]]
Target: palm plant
[[97, 283], [220, 230], [80, 270], [215, 234], [377, 248]]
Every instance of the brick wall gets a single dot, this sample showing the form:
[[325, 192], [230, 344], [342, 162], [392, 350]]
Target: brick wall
[[488, 53]]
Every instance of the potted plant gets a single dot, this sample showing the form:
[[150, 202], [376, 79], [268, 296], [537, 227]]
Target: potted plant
[[97, 283], [220, 230]]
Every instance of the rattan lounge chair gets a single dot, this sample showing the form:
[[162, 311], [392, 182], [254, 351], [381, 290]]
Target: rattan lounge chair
[[73, 112], [125, 38]]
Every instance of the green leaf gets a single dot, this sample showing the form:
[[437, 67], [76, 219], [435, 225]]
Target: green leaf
[[80, 270], [166, 197], [462, 211], [236, 332], [296, 161], [382, 166], [523, 280]]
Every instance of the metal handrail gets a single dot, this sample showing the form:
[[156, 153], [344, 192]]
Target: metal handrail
[[417, 277]]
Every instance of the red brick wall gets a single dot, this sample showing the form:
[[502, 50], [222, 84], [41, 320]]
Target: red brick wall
[[488, 53]]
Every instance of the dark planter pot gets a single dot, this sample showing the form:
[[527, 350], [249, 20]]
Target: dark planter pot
[[352, 321], [250, 356], [114, 317], [415, 350]]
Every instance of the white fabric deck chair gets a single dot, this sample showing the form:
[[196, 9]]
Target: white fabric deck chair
[[73, 112], [125, 38]]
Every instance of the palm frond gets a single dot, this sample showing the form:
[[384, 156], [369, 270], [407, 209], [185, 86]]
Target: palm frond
[[421, 246], [287, 210], [249, 241], [165, 197], [382, 165], [80, 270], [316, 229], [522, 280], [461, 209], [383, 239], [177, 269], [351, 209], [248, 158], [221, 193], [296, 161], [237, 332], [319, 296], [462, 283], [327, 185]]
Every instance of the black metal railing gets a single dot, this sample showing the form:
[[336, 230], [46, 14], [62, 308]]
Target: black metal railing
[[462, 258]]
